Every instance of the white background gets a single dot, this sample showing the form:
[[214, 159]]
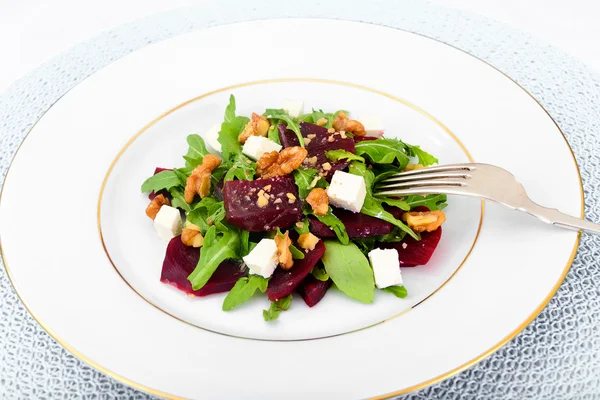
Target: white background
[[33, 31]]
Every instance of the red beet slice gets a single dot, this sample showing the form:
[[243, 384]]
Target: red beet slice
[[165, 193], [283, 283], [180, 261], [241, 209], [317, 146], [416, 252], [357, 225], [313, 290]]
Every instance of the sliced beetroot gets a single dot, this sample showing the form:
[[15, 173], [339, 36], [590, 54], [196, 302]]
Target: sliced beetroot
[[358, 139], [180, 261], [242, 210], [317, 146], [165, 193], [413, 252], [283, 283], [357, 225], [313, 290]]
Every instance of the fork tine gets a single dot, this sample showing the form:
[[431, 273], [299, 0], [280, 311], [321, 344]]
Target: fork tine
[[439, 168], [435, 183], [427, 176]]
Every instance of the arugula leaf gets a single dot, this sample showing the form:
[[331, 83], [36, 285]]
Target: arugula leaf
[[178, 200], [276, 308], [432, 201], [292, 124], [160, 181], [216, 215], [318, 114], [350, 270], [383, 151], [303, 178], [424, 157], [304, 228], [196, 151], [242, 168], [365, 245], [398, 291], [245, 243], [218, 173], [402, 204], [338, 226], [296, 254], [199, 214], [214, 251], [372, 206], [274, 134], [243, 290], [396, 235], [231, 128], [320, 274], [336, 155]]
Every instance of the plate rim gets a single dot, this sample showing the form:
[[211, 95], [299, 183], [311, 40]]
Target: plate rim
[[413, 388]]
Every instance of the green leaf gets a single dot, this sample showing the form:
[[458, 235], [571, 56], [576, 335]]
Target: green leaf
[[292, 124], [397, 235], [276, 308], [242, 168], [243, 290], [350, 270], [231, 128], [402, 204], [372, 206], [398, 291], [334, 223], [244, 243], [296, 254], [336, 155], [320, 274], [365, 245], [178, 200], [303, 178], [216, 215], [160, 181], [304, 228], [196, 151], [384, 151], [432, 201], [274, 134], [214, 251], [424, 157]]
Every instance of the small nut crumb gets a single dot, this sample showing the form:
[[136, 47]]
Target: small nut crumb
[[321, 121], [261, 193], [262, 201], [343, 135], [314, 181], [306, 141], [404, 245], [312, 160], [311, 136], [277, 201], [308, 241], [326, 166], [330, 130], [300, 225], [267, 188], [331, 139], [290, 196]]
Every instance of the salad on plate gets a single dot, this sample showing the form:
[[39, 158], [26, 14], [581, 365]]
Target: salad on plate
[[283, 204]]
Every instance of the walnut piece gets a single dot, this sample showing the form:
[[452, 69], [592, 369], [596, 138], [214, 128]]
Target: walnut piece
[[199, 181], [318, 200], [283, 243], [343, 123], [322, 121], [257, 126], [308, 241], [278, 164], [157, 202], [191, 235], [421, 221]]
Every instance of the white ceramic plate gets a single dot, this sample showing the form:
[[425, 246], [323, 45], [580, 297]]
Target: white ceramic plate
[[85, 260]]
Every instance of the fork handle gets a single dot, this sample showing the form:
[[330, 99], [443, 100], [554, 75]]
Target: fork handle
[[562, 220]]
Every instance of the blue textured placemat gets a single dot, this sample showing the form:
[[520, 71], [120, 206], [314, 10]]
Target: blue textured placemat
[[556, 357]]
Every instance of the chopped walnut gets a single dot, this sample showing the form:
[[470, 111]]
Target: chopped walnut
[[283, 243], [257, 126], [421, 221], [331, 139], [318, 200], [322, 121], [308, 241], [267, 188], [411, 167], [312, 160], [343, 123], [314, 181], [307, 141], [191, 235], [326, 166], [157, 202], [262, 201], [278, 164], [199, 181], [330, 130]]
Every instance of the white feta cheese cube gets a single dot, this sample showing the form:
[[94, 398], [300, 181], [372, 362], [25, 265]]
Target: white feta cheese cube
[[386, 267], [168, 223], [347, 191], [211, 137], [373, 125], [256, 146], [294, 108], [262, 260]]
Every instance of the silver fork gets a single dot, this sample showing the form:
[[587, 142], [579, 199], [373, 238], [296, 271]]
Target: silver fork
[[478, 180]]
